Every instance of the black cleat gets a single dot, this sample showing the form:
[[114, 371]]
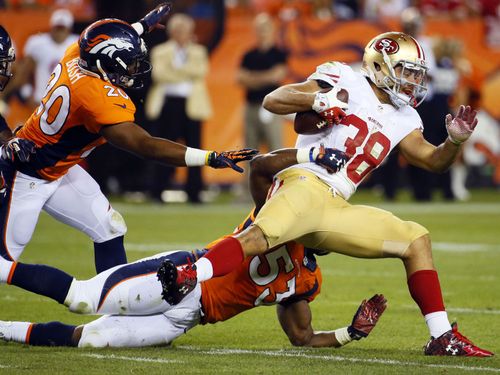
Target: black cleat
[[176, 283]]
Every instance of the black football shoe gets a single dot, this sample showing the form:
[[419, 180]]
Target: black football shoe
[[176, 282]]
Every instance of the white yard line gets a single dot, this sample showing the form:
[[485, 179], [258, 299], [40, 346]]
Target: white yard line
[[441, 208], [163, 246], [334, 358], [397, 208], [133, 359], [453, 247], [458, 247]]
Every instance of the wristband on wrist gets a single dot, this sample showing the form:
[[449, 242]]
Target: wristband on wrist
[[342, 336], [307, 155], [139, 27], [195, 157]]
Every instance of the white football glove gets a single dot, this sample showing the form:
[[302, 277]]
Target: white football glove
[[328, 106], [461, 127]]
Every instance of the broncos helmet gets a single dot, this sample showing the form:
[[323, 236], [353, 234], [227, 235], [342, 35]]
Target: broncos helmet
[[389, 50], [7, 57], [113, 50]]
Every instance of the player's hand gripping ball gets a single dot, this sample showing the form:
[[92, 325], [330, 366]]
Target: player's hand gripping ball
[[312, 122]]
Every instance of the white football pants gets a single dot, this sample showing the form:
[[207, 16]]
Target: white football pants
[[74, 199]]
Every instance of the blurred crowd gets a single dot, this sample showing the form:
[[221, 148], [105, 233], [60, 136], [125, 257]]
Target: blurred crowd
[[188, 42]]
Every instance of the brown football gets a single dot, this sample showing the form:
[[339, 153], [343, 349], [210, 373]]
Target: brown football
[[310, 122]]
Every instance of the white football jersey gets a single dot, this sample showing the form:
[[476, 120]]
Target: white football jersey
[[368, 133], [46, 53]]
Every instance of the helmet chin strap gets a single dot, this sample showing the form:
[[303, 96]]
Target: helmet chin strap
[[399, 99], [101, 70]]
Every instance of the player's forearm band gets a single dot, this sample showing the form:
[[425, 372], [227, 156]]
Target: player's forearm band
[[307, 155], [342, 336], [195, 157]]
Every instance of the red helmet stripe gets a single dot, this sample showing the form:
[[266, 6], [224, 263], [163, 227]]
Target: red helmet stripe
[[420, 50]]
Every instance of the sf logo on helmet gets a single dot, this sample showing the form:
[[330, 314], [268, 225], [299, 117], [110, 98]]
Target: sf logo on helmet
[[110, 46], [388, 45]]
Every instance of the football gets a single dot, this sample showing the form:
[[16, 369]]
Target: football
[[310, 122]]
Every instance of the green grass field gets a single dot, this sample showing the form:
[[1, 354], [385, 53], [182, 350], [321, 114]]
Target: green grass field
[[466, 239]]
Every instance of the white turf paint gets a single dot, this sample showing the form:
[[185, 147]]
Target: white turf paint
[[333, 358], [397, 208], [163, 246], [133, 359], [452, 247]]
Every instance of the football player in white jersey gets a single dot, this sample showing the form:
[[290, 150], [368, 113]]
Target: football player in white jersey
[[308, 204], [42, 53]]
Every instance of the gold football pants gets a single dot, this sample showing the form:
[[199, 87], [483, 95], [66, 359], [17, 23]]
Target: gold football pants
[[304, 208]]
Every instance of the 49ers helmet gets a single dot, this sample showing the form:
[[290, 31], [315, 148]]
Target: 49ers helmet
[[113, 50], [7, 57], [388, 50]]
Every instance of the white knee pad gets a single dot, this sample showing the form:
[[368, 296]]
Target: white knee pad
[[114, 226], [117, 331], [94, 337]]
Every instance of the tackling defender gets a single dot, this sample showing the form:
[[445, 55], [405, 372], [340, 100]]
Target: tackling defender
[[130, 296], [310, 206], [85, 106]]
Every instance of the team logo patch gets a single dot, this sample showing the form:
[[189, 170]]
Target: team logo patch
[[109, 46], [390, 46]]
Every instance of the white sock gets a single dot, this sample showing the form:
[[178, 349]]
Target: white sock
[[5, 267], [438, 323], [204, 269], [14, 331]]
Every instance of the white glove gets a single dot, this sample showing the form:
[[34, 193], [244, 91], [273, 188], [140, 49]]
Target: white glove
[[328, 106], [461, 127], [327, 100]]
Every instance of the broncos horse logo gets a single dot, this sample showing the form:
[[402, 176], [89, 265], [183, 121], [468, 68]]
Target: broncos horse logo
[[109, 46]]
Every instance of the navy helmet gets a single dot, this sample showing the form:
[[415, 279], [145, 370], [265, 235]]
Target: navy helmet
[[112, 49], [7, 57]]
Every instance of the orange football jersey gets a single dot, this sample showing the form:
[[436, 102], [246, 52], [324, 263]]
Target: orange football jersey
[[65, 126], [288, 273]]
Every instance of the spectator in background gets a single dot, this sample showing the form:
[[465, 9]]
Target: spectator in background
[[377, 9], [432, 111], [178, 100], [421, 181], [42, 53], [261, 71], [484, 147]]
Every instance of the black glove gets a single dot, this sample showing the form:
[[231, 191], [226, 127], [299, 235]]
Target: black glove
[[229, 159], [17, 149], [331, 159], [367, 316], [156, 18]]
